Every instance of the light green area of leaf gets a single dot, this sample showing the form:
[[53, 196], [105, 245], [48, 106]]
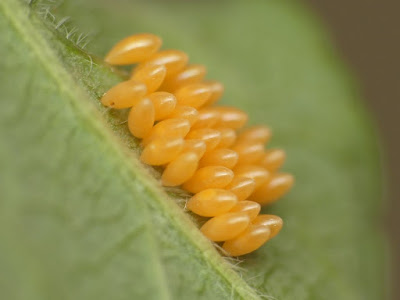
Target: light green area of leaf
[[81, 218]]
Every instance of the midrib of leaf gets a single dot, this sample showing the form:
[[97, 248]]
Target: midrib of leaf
[[30, 30]]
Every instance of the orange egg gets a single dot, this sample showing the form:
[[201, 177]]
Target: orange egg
[[248, 153], [259, 174], [196, 146], [141, 118], [180, 169], [252, 238], [161, 151], [217, 90], [185, 112], [273, 159], [151, 75], [210, 136], [209, 177], [194, 95], [133, 49], [274, 223], [212, 202], [206, 118], [228, 137], [168, 128], [255, 135], [231, 117], [125, 94], [242, 187], [225, 227], [191, 74], [251, 208], [164, 104], [220, 157], [277, 186], [173, 60]]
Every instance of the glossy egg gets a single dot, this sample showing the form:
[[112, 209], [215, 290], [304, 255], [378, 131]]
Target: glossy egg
[[141, 118], [185, 112], [209, 177], [228, 137], [248, 153], [277, 186], [274, 223], [210, 136], [212, 202], [225, 227], [151, 75], [251, 208], [191, 74], [196, 146], [194, 95], [255, 135], [173, 60], [180, 169], [273, 159], [231, 117], [243, 187], [217, 90], [220, 157], [252, 238], [168, 128], [125, 94], [259, 174], [133, 49], [161, 151], [164, 104]]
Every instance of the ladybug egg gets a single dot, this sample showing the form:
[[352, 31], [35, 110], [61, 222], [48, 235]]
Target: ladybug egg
[[133, 49], [168, 128], [191, 74], [277, 186], [250, 207], [209, 177], [173, 60], [194, 95], [164, 104], [125, 94], [274, 223], [210, 136], [161, 151], [141, 118], [242, 187], [212, 202], [180, 169], [220, 157], [226, 226], [151, 75]]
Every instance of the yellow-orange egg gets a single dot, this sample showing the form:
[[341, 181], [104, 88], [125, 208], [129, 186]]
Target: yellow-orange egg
[[242, 187], [273, 159], [274, 223], [133, 49], [207, 178], [191, 74], [217, 90], [151, 75], [248, 153], [251, 208], [162, 151], [220, 157], [255, 135], [259, 174], [196, 146], [277, 186], [164, 104], [228, 137], [252, 238], [168, 128], [173, 60], [125, 94], [180, 169], [185, 112], [210, 136], [141, 118], [225, 227], [231, 117], [194, 95], [206, 118], [212, 202]]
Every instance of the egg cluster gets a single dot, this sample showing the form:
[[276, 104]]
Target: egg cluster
[[202, 147]]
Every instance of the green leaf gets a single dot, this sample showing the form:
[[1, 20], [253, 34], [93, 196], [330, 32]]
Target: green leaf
[[81, 218]]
